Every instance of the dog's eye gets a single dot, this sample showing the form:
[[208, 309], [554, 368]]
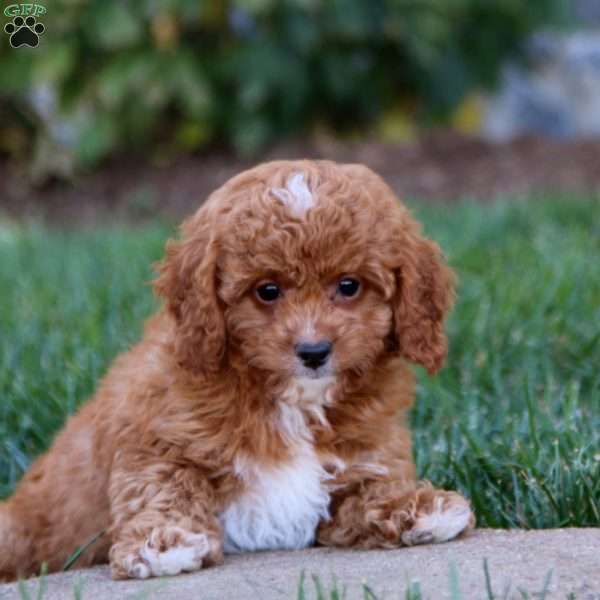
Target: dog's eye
[[268, 292], [348, 287]]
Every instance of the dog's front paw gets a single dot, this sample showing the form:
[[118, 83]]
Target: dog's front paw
[[450, 516], [167, 550]]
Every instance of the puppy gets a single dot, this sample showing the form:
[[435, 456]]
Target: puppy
[[265, 406]]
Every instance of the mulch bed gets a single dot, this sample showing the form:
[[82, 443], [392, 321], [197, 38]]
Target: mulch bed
[[442, 166]]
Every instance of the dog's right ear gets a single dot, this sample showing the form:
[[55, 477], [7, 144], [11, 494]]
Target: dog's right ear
[[187, 281]]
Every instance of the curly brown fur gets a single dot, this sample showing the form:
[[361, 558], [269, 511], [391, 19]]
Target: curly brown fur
[[212, 435]]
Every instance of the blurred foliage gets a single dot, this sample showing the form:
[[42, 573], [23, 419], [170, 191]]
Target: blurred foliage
[[112, 76]]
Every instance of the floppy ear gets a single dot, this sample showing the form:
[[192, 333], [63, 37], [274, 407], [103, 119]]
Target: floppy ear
[[424, 290], [424, 296], [187, 281]]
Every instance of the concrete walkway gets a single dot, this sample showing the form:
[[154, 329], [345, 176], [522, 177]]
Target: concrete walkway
[[519, 562]]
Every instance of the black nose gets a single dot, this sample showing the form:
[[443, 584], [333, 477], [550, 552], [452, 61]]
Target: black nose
[[313, 355]]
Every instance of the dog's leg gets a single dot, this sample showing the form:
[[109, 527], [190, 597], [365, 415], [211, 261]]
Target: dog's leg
[[59, 505], [163, 519], [15, 546], [386, 514]]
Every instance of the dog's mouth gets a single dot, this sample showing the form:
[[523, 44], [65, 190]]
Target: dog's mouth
[[313, 391]]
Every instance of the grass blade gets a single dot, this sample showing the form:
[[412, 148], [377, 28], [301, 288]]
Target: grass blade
[[75, 556], [488, 579]]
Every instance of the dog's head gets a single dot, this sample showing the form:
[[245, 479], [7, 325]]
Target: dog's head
[[305, 269]]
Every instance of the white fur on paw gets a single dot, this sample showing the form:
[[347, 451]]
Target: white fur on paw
[[187, 555], [136, 568], [441, 525]]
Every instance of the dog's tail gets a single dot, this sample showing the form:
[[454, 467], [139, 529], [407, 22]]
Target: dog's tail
[[15, 545]]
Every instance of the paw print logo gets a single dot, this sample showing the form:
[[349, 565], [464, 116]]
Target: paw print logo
[[24, 32]]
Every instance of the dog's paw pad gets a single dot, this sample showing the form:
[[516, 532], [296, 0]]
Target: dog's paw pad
[[442, 524], [139, 569], [168, 551], [185, 556]]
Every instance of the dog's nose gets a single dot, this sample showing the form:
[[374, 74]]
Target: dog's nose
[[313, 355]]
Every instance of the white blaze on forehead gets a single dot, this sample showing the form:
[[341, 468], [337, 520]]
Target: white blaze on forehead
[[308, 331], [295, 194]]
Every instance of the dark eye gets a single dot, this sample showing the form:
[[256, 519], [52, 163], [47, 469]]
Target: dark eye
[[348, 287], [268, 292]]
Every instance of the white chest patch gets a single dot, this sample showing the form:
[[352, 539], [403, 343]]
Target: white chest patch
[[280, 509], [295, 194], [282, 504]]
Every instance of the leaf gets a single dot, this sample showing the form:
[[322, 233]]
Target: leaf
[[114, 25]]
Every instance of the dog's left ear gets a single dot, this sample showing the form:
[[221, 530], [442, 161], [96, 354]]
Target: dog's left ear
[[424, 296], [187, 281]]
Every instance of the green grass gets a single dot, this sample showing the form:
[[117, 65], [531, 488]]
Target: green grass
[[513, 421]]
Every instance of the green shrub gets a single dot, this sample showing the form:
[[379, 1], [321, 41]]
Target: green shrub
[[176, 75]]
